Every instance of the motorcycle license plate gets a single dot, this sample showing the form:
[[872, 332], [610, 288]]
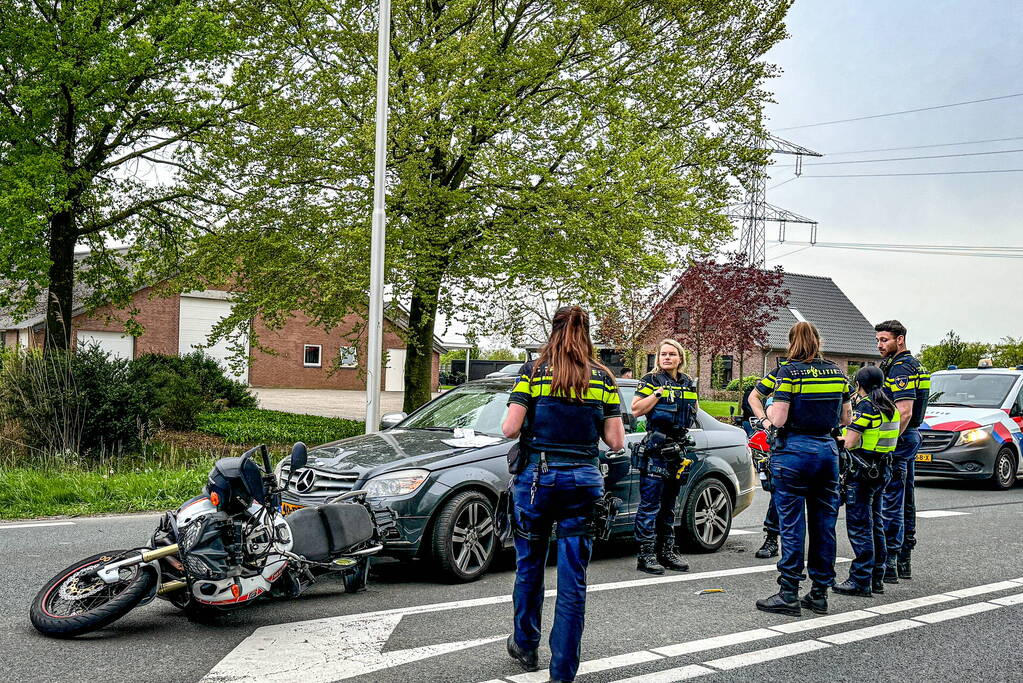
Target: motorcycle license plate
[[920, 457], [288, 508]]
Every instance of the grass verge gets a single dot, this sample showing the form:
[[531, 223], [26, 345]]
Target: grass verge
[[718, 408]]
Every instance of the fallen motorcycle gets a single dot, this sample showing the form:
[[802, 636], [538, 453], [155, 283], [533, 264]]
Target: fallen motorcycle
[[220, 550]]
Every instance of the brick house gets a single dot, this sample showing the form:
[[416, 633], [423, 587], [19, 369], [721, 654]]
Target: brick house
[[302, 355], [847, 335]]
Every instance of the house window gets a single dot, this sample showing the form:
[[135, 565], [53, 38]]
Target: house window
[[650, 361], [721, 372], [681, 319], [347, 357], [852, 367], [311, 355]]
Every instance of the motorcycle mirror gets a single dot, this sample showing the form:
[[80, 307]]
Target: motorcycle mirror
[[299, 456]]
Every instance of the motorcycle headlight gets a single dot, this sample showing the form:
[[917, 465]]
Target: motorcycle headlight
[[393, 484], [972, 436]]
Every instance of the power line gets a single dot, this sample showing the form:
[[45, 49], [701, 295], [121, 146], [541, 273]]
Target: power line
[[930, 156], [930, 250], [890, 175], [904, 111], [940, 144]]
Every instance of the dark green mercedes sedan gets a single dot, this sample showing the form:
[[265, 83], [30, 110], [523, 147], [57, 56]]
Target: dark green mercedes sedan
[[443, 468]]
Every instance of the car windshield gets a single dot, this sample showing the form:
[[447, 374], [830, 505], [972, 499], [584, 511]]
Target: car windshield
[[512, 369], [970, 389], [479, 408]]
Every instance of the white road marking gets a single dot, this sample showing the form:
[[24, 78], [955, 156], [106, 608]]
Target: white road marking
[[981, 590], [955, 612], [770, 654], [681, 673], [329, 651], [35, 524], [904, 605], [1009, 600], [592, 666], [740, 532], [715, 642], [940, 513], [870, 632], [821, 622]]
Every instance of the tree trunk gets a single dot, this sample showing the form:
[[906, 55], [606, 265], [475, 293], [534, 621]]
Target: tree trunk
[[59, 304], [419, 355]]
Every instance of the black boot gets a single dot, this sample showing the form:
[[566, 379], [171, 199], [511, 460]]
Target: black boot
[[668, 558], [526, 659], [891, 572], [850, 588], [646, 560], [877, 586], [904, 565], [769, 549], [782, 602], [816, 600]]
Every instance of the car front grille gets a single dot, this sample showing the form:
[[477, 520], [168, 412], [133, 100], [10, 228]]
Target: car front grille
[[935, 466], [933, 441], [323, 483]]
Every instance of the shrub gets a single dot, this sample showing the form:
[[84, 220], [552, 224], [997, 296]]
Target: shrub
[[200, 373], [743, 384], [75, 404], [253, 426], [179, 400]]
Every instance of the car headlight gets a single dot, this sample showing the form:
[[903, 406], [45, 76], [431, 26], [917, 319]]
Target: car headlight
[[393, 484], [972, 436]]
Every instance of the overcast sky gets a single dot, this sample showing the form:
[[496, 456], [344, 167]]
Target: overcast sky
[[849, 58]]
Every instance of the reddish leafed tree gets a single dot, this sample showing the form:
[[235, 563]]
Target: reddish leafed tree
[[724, 306]]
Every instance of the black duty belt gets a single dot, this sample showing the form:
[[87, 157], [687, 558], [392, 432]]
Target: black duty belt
[[554, 458]]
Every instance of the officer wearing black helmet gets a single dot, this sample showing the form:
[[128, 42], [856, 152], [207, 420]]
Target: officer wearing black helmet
[[668, 398], [811, 399], [870, 439]]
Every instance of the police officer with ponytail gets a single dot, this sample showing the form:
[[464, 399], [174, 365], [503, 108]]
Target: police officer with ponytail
[[668, 398], [811, 399], [561, 407], [870, 439]]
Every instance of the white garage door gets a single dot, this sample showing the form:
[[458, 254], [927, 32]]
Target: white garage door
[[118, 344], [394, 375], [196, 322]]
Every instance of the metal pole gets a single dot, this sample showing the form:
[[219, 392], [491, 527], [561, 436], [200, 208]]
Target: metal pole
[[377, 242]]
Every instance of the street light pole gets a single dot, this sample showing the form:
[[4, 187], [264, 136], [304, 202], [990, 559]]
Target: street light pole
[[377, 241]]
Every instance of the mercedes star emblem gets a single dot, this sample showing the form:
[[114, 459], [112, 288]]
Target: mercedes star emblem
[[305, 481]]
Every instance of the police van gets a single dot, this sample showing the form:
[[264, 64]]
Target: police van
[[972, 426]]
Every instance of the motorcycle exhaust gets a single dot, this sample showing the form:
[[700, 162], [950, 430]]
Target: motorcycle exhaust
[[170, 587]]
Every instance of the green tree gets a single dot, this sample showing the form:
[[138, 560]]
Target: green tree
[[952, 350], [99, 101], [1009, 352], [530, 142]]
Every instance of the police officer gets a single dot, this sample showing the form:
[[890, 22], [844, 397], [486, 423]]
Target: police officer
[[811, 399], [669, 400], [761, 391], [909, 386], [562, 405], [870, 439]]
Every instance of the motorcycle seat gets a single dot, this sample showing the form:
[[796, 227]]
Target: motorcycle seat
[[322, 532]]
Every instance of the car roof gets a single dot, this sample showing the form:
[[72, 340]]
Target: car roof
[[989, 371]]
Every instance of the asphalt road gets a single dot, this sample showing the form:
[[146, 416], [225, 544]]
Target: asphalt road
[[407, 627]]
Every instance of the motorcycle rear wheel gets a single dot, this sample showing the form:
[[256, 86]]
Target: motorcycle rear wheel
[[66, 607]]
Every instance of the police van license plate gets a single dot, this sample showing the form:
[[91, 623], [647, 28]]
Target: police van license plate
[[288, 508], [920, 457]]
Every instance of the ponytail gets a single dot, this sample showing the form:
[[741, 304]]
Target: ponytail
[[882, 401], [568, 354]]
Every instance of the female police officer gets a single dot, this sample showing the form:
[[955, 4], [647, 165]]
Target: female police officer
[[669, 399], [870, 440], [811, 398], [562, 404]]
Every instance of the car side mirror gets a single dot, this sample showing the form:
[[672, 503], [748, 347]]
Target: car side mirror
[[299, 456], [391, 419]]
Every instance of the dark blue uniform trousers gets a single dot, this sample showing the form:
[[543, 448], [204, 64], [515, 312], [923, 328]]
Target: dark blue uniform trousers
[[865, 524], [771, 525], [805, 471], [658, 498], [565, 495], [899, 506]]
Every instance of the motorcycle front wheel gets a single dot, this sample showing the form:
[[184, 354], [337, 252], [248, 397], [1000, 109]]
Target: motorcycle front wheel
[[76, 601]]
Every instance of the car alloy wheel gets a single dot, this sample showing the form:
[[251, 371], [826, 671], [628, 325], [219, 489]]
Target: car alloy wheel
[[707, 515], [464, 539]]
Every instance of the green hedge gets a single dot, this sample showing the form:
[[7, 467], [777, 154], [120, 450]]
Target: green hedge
[[253, 426]]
